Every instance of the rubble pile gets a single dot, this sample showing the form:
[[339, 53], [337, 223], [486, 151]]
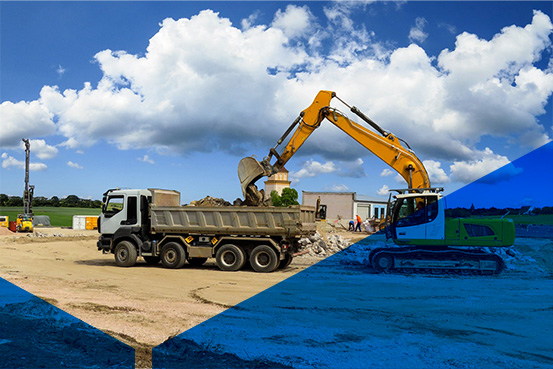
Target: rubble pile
[[320, 246], [210, 202]]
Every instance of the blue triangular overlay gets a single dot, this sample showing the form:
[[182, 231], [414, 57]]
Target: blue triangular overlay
[[36, 334], [526, 181], [341, 314]]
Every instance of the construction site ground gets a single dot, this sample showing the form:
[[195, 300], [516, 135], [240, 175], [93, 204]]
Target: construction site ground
[[145, 305]]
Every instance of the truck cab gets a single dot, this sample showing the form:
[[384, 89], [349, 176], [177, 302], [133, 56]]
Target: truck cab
[[124, 213]]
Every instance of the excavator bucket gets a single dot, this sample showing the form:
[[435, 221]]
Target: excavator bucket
[[249, 171]]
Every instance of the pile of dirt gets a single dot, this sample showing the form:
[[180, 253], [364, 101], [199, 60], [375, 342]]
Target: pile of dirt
[[5, 232], [209, 201]]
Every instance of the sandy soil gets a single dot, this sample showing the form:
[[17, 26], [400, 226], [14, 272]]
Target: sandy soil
[[145, 305], [142, 306]]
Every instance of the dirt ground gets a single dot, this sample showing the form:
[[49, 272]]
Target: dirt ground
[[142, 306], [145, 305]]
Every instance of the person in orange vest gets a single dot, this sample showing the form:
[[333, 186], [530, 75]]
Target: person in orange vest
[[358, 225]]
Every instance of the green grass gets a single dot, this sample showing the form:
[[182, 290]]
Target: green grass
[[544, 219], [59, 217]]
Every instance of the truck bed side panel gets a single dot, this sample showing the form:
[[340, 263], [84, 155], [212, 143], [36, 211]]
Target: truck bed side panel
[[292, 221]]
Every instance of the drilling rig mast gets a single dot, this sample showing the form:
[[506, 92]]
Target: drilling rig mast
[[25, 220]]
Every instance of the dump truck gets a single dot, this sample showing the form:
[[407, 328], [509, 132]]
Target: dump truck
[[151, 223]]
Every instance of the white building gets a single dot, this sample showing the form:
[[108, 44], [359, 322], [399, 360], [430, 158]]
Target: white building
[[347, 205]]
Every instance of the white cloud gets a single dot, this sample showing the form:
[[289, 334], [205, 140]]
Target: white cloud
[[164, 99], [41, 149], [488, 161], [74, 165], [11, 162], [312, 168], [250, 21], [386, 172], [294, 21], [417, 33], [24, 119], [436, 172], [383, 191], [399, 179], [60, 70], [351, 168], [338, 188], [146, 159]]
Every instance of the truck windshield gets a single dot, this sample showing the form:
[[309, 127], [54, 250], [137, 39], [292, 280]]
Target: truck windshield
[[113, 206]]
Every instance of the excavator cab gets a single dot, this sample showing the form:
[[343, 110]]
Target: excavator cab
[[417, 216]]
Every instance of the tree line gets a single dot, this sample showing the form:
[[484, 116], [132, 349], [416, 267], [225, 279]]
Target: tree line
[[71, 201], [472, 211]]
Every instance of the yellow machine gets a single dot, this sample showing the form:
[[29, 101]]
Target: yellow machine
[[4, 221], [24, 223], [417, 216]]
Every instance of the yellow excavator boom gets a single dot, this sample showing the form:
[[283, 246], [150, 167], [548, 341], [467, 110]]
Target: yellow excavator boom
[[384, 145]]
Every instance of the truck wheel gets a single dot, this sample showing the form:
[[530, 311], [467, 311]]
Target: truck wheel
[[151, 260], [286, 261], [230, 257], [197, 261], [125, 254], [173, 255], [264, 259]]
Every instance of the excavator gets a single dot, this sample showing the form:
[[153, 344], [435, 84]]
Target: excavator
[[425, 239]]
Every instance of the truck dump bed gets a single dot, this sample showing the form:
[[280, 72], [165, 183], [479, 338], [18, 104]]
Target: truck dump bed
[[237, 220]]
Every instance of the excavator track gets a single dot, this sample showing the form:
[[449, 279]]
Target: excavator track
[[435, 261]]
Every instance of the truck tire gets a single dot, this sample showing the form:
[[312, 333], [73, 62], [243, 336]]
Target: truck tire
[[264, 259], [230, 258], [286, 261], [173, 255], [151, 260], [125, 254], [197, 261]]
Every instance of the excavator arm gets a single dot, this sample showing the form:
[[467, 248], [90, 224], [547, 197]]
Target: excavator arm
[[383, 144]]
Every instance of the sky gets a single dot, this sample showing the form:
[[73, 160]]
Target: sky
[[173, 94]]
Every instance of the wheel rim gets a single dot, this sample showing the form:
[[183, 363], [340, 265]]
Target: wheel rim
[[228, 258], [122, 254], [170, 256], [263, 259]]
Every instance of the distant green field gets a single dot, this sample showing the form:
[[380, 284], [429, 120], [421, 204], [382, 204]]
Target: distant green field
[[545, 219], [59, 217]]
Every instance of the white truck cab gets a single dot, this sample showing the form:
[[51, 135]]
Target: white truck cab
[[123, 209]]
